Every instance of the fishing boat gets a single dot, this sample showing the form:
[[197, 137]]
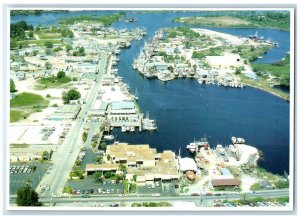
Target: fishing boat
[[148, 124], [108, 137], [236, 140], [196, 145]]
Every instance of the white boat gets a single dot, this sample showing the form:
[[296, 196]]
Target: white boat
[[235, 140], [148, 124], [108, 137], [196, 145], [123, 129], [132, 128], [240, 140]]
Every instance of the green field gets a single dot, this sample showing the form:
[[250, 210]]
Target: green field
[[242, 19], [42, 42], [24, 104], [49, 35], [54, 81]]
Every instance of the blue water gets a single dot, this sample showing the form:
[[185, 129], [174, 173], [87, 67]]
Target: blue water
[[185, 110]]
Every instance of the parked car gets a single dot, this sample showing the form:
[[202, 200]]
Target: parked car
[[208, 194], [195, 194]]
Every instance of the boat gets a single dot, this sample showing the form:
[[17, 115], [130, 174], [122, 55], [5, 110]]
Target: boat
[[197, 145], [123, 128], [233, 140], [148, 124], [108, 137], [136, 97], [128, 128], [132, 128], [236, 140]]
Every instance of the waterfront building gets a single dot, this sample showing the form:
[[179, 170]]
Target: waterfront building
[[141, 161], [226, 61]]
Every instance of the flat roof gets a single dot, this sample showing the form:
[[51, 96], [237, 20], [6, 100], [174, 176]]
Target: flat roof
[[122, 105], [224, 182]]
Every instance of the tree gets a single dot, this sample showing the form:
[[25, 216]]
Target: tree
[[97, 177], [26, 196], [60, 74], [12, 86], [122, 167], [103, 145], [45, 155], [84, 136], [48, 44], [107, 175], [68, 47], [71, 95], [238, 71]]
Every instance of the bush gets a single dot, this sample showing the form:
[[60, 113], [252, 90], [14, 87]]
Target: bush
[[71, 95], [48, 44], [12, 86], [60, 74]]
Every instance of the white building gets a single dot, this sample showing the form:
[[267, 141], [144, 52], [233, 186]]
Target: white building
[[226, 61]]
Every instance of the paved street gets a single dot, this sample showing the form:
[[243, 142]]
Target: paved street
[[68, 152], [199, 200]]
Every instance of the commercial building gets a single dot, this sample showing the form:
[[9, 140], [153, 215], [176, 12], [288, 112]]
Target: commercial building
[[226, 61], [66, 112], [141, 161]]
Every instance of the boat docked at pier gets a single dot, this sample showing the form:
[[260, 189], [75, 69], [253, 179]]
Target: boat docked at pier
[[148, 124], [196, 145], [108, 137], [236, 140]]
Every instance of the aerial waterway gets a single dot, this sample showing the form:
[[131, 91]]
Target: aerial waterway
[[184, 110]]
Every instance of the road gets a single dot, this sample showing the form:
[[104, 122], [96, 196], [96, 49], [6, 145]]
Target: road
[[149, 198], [68, 152]]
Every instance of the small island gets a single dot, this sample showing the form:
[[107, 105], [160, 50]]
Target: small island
[[212, 57]]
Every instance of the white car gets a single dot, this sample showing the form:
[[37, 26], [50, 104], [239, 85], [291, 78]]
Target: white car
[[156, 194]]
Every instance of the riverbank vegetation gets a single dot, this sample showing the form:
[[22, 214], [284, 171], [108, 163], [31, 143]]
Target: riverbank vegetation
[[241, 19], [106, 20], [36, 12], [280, 71]]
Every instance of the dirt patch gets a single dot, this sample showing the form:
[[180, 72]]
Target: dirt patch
[[225, 21]]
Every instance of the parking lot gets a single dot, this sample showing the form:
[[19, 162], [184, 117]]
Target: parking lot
[[87, 186], [21, 173], [164, 188]]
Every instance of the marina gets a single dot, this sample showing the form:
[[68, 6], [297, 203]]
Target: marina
[[183, 97]]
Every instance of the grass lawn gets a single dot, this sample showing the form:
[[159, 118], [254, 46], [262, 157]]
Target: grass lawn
[[42, 42], [24, 104], [16, 115], [264, 85], [49, 35], [28, 99], [54, 82]]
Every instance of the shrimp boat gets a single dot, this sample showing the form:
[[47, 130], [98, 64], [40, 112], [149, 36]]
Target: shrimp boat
[[196, 145], [148, 124]]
